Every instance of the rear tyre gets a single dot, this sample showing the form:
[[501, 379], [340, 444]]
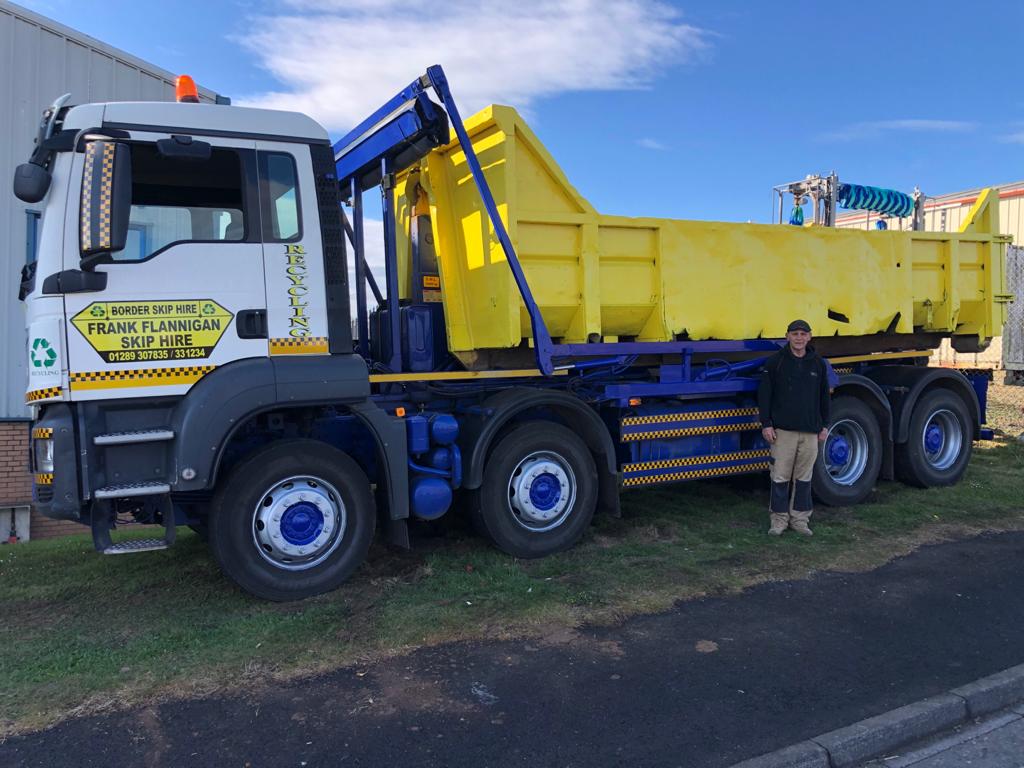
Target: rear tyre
[[939, 441], [851, 457], [292, 521], [539, 491]]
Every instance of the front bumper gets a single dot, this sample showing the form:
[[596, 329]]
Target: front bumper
[[56, 494]]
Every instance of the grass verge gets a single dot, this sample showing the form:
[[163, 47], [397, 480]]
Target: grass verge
[[83, 633]]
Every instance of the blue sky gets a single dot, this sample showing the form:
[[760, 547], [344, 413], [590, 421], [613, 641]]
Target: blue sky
[[679, 109]]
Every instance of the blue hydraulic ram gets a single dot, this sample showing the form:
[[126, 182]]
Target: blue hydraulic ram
[[399, 133]]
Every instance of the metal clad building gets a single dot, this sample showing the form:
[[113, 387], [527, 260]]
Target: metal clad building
[[39, 61]]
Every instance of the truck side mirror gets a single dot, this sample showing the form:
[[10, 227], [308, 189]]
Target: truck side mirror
[[31, 181], [106, 201]]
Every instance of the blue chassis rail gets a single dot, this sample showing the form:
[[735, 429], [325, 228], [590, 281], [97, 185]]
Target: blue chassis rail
[[393, 123]]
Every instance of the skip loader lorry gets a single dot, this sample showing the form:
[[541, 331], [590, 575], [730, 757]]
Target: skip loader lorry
[[195, 358]]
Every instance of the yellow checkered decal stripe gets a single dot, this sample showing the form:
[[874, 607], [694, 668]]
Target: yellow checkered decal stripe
[[668, 418], [712, 429], [306, 345], [96, 234], [41, 433], [106, 188], [693, 474], [139, 377], [44, 478], [42, 394], [90, 153], [690, 461]]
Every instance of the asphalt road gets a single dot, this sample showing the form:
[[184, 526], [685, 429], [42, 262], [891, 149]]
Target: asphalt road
[[710, 683]]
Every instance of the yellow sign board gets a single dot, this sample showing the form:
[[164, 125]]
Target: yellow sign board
[[134, 331]]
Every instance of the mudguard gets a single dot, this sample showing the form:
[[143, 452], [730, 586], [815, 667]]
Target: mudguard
[[213, 410]]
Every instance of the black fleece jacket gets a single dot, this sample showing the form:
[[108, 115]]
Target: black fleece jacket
[[794, 392]]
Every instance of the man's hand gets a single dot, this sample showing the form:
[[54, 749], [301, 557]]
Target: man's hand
[[823, 434], [768, 433]]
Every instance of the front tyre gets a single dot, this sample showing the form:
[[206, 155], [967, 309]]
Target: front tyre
[[939, 444], [539, 491], [851, 457], [293, 520]]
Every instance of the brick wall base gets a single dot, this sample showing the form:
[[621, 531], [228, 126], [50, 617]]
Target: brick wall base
[[16, 484], [42, 527], [15, 479]]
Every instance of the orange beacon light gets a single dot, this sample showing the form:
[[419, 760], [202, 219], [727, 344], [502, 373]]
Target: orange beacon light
[[185, 90]]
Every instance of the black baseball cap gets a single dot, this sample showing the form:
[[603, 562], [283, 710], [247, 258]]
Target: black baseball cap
[[798, 325]]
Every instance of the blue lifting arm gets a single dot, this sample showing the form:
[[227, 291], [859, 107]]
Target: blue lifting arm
[[395, 136]]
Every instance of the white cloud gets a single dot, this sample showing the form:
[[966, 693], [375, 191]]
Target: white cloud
[[874, 129], [340, 59], [1013, 138], [649, 143]]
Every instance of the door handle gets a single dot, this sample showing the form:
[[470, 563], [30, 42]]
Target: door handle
[[251, 323]]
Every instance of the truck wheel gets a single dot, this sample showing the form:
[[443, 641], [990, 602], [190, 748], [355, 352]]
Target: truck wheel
[[851, 456], [292, 521], [539, 491], [939, 445]]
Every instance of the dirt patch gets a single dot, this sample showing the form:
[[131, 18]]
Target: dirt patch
[[33, 614], [659, 533], [403, 690]]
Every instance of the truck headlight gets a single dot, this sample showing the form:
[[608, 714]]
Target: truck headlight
[[44, 454]]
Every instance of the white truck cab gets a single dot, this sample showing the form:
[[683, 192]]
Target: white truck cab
[[191, 281], [222, 257]]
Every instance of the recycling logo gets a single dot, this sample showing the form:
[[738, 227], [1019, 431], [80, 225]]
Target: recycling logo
[[42, 353]]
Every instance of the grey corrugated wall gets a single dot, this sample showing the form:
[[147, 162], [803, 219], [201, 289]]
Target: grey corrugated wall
[[40, 60]]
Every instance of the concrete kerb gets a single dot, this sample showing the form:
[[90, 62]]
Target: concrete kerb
[[994, 692], [806, 754], [878, 736]]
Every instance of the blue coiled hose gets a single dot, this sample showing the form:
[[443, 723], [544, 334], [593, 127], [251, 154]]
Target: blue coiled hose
[[860, 198]]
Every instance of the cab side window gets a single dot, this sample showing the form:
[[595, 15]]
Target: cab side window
[[279, 196], [180, 202]]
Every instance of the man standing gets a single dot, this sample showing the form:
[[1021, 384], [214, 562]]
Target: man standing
[[793, 399]]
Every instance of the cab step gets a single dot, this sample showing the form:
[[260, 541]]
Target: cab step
[[136, 545], [134, 436], [104, 520], [128, 490]]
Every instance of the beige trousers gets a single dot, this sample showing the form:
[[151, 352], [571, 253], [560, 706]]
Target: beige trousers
[[793, 455]]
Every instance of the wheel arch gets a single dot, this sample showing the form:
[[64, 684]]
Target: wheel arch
[[225, 401], [509, 406], [912, 382]]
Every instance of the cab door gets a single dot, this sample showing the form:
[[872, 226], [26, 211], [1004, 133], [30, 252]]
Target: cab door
[[292, 250], [186, 295]]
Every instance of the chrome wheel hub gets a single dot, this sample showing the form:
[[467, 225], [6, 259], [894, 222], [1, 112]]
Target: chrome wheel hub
[[845, 452], [298, 523], [942, 439], [541, 491]]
